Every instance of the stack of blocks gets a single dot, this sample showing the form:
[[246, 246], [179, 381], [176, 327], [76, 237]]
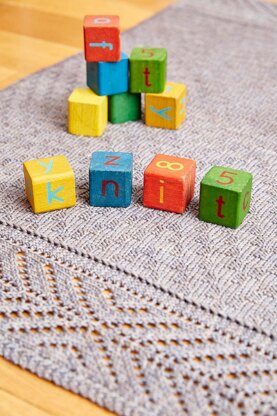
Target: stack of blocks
[[115, 84]]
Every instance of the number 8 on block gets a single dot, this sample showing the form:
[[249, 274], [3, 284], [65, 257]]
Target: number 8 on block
[[225, 196]]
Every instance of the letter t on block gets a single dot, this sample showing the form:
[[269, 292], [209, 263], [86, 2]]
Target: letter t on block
[[110, 179], [169, 183], [225, 195]]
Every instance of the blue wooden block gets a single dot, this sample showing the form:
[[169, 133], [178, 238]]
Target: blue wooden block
[[109, 78], [110, 179]]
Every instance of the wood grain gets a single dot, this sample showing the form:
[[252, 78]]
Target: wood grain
[[24, 393], [50, 30]]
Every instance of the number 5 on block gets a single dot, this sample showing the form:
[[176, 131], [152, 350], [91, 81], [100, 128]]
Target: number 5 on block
[[225, 196]]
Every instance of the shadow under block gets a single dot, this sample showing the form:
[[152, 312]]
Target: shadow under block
[[124, 107], [225, 196], [110, 179], [50, 183], [166, 110], [102, 38], [148, 70], [87, 113], [169, 183], [108, 78]]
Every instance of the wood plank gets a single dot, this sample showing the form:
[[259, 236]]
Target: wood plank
[[36, 394], [131, 12], [8, 75], [38, 24], [22, 45], [22, 55], [12, 406]]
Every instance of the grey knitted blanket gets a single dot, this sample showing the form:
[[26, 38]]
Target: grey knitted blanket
[[142, 311]]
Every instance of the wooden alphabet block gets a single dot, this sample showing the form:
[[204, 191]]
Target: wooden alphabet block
[[87, 113], [225, 196], [102, 38], [124, 107], [110, 179], [166, 110], [148, 70], [50, 183], [169, 183], [108, 78]]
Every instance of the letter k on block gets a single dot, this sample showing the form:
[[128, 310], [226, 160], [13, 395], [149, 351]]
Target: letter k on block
[[50, 183]]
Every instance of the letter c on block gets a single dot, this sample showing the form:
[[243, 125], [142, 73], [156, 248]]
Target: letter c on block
[[245, 201]]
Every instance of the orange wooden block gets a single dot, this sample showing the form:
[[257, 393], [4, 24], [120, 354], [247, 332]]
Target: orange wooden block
[[169, 183], [102, 38]]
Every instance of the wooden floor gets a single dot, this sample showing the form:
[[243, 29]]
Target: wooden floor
[[38, 33], [35, 34]]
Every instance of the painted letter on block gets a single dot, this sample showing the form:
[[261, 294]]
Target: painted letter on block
[[50, 183], [102, 38], [225, 195], [110, 179]]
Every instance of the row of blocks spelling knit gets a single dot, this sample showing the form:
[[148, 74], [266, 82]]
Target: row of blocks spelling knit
[[169, 183]]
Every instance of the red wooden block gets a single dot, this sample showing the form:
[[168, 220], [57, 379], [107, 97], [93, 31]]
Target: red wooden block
[[102, 38], [169, 183]]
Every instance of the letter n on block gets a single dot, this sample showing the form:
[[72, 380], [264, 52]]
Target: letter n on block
[[110, 179], [169, 183]]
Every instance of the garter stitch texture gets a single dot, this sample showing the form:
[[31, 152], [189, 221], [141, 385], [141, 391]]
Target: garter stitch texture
[[151, 313]]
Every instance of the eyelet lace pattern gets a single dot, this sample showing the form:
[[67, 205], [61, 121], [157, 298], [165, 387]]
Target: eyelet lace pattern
[[110, 338]]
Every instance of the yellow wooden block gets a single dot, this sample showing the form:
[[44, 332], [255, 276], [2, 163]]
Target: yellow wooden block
[[168, 109], [50, 183], [87, 113]]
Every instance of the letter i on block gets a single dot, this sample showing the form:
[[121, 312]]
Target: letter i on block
[[225, 196], [169, 183], [110, 179], [50, 183], [166, 110], [102, 38]]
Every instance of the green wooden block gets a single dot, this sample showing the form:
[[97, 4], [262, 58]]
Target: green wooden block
[[148, 70], [124, 107], [225, 196]]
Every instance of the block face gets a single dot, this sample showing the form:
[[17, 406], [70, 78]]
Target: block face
[[87, 113], [110, 179], [166, 110], [169, 183], [50, 183], [148, 67], [225, 196], [108, 78], [124, 107], [101, 38]]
